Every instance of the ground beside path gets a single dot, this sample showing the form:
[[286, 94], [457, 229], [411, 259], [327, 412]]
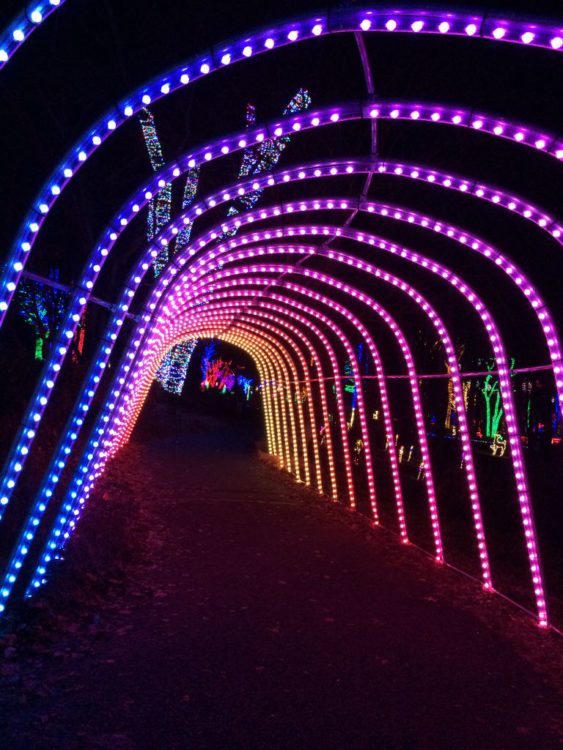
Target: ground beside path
[[244, 615]]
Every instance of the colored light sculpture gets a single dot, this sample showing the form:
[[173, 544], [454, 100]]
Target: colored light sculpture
[[246, 384], [217, 373], [190, 191], [42, 308], [265, 155], [172, 373], [160, 206], [493, 404], [230, 284], [450, 408]]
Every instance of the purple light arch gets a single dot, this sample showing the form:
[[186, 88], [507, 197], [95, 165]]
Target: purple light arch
[[518, 463]]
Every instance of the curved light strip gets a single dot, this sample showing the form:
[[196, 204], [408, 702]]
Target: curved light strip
[[194, 287], [361, 408], [419, 172], [19, 30], [160, 343], [339, 402], [425, 306], [517, 459], [399, 213], [536, 302], [496, 343], [469, 241], [432, 113], [259, 299]]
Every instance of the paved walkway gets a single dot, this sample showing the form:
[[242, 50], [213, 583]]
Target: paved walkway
[[275, 623]]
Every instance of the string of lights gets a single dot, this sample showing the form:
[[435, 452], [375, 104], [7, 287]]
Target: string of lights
[[160, 207]]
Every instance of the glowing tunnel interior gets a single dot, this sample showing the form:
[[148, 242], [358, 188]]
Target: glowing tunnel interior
[[298, 282]]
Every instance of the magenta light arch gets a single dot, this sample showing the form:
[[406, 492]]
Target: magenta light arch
[[514, 443], [261, 289], [228, 290], [243, 312]]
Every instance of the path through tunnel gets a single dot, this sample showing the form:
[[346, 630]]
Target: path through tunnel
[[250, 615], [332, 243]]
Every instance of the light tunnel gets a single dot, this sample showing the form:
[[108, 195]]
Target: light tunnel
[[329, 263]]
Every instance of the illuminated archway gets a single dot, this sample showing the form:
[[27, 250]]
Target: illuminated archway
[[294, 314]]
